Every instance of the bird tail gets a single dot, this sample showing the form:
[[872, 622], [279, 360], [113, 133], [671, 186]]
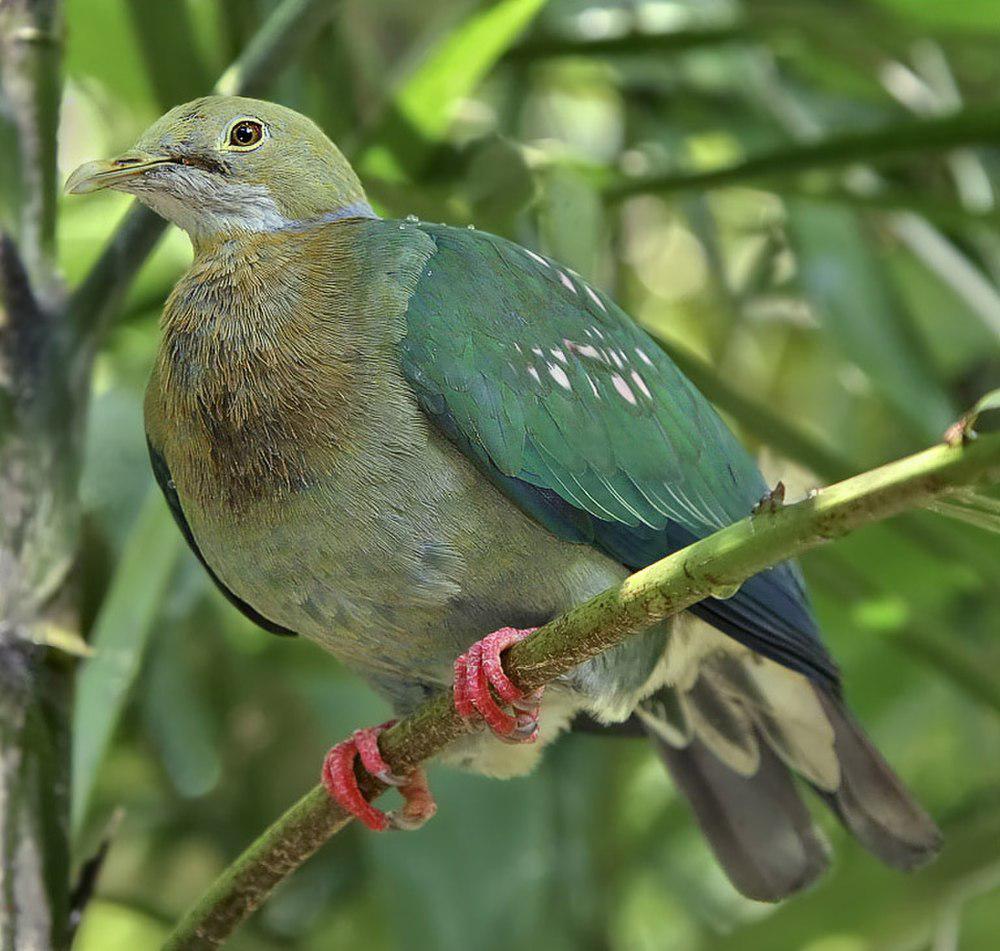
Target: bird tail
[[734, 731]]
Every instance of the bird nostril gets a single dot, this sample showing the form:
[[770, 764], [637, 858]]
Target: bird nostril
[[123, 162]]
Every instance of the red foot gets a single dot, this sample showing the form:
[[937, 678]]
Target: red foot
[[479, 669], [341, 783]]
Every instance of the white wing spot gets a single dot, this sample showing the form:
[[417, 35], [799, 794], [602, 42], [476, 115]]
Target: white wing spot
[[559, 375], [617, 360], [624, 390], [567, 282], [593, 296], [641, 383], [597, 330], [558, 354], [537, 351], [644, 357], [517, 347], [593, 386], [583, 349], [534, 373], [537, 257]]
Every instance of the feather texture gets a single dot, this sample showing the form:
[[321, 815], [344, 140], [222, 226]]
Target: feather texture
[[577, 415]]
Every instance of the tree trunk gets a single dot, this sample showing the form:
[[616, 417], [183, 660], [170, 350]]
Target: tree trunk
[[39, 464]]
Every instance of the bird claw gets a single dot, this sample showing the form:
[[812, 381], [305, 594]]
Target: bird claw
[[479, 673], [341, 783], [526, 730], [366, 742]]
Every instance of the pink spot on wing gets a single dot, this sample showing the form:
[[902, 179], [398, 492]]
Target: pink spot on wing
[[641, 383], [537, 257], [583, 349], [644, 356], [624, 390], [534, 373], [593, 296], [566, 281], [559, 375]]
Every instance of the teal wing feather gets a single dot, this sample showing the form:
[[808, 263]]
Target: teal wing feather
[[577, 415]]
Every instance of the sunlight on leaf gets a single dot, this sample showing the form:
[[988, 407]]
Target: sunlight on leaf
[[425, 104], [108, 926]]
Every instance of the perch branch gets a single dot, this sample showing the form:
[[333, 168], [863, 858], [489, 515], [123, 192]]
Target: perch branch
[[708, 567]]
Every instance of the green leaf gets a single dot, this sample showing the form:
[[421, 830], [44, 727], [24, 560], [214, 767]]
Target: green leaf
[[121, 632], [424, 104], [988, 402], [971, 507], [100, 26], [111, 926], [184, 733], [845, 282], [174, 64], [977, 15]]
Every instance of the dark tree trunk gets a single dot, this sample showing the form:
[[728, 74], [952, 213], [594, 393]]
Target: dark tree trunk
[[39, 462]]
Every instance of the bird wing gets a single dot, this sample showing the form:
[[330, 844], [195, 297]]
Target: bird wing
[[163, 479], [582, 420]]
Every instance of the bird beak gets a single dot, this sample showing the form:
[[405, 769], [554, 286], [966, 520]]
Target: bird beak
[[110, 173]]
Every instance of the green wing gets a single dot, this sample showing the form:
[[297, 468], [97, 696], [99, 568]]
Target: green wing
[[571, 409]]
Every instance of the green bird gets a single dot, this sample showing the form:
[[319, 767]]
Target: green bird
[[395, 437]]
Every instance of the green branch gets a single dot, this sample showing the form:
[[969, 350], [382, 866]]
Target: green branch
[[291, 26], [708, 567], [979, 126]]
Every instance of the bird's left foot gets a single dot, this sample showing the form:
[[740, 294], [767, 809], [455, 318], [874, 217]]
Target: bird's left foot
[[479, 673], [341, 783]]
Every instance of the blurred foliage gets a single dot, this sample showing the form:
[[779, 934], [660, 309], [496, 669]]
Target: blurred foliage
[[840, 314]]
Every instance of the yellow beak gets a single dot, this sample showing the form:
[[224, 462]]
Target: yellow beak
[[107, 173]]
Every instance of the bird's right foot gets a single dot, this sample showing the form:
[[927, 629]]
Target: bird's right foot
[[341, 783], [479, 673]]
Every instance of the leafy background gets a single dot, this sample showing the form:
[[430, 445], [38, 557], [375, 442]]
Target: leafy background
[[839, 299]]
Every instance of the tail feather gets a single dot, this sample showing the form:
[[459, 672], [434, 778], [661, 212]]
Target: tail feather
[[872, 802], [723, 725], [739, 727], [757, 826]]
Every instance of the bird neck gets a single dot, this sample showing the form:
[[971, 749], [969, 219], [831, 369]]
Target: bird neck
[[220, 236]]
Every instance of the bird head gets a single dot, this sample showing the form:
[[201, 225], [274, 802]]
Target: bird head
[[225, 165]]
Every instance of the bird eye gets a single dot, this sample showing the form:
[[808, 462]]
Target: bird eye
[[246, 134]]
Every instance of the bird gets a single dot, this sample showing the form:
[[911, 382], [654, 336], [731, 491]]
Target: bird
[[414, 444]]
